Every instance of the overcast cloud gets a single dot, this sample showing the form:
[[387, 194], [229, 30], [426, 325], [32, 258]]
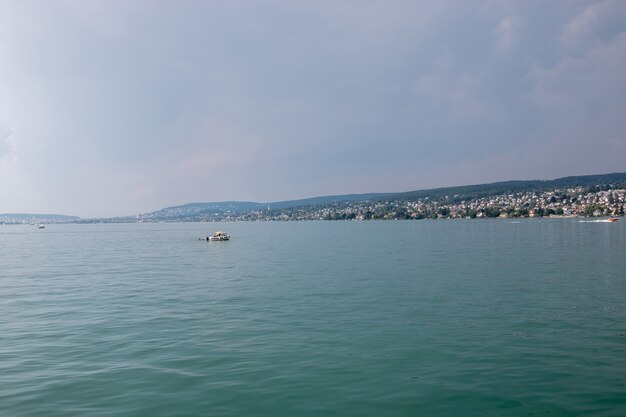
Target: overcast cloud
[[114, 107]]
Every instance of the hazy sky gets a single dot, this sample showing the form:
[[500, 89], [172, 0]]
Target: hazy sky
[[120, 107]]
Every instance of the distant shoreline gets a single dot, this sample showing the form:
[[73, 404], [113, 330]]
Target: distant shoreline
[[108, 221], [592, 196]]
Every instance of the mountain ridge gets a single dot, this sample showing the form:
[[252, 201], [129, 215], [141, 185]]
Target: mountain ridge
[[452, 193], [191, 211]]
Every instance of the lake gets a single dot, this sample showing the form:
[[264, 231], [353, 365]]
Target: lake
[[379, 318]]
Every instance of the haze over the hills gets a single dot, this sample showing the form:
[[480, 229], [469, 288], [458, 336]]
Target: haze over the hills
[[584, 187], [113, 108]]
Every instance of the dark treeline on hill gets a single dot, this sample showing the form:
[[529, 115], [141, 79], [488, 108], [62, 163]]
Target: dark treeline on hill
[[470, 192], [439, 202]]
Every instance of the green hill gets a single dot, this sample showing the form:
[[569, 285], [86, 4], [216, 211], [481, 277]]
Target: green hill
[[218, 210]]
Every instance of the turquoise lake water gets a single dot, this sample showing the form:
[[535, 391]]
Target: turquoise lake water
[[381, 318]]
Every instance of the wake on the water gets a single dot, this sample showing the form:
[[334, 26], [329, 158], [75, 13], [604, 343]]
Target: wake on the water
[[596, 221]]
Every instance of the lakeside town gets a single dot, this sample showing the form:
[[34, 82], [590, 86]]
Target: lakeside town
[[583, 201], [595, 201]]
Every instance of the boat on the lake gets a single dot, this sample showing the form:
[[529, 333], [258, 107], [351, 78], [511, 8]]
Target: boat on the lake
[[218, 236], [41, 226], [613, 219]]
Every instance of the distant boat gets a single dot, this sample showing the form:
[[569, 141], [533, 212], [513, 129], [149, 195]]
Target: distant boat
[[218, 236], [41, 226], [613, 219]]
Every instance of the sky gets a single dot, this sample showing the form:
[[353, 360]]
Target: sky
[[121, 107]]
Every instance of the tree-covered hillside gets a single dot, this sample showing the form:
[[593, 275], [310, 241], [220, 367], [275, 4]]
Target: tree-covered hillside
[[385, 203]]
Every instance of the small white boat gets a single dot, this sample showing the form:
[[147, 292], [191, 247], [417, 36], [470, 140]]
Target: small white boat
[[218, 236], [41, 226]]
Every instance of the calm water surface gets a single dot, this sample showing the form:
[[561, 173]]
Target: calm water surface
[[406, 318]]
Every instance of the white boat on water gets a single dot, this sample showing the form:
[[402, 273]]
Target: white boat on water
[[41, 226], [218, 236]]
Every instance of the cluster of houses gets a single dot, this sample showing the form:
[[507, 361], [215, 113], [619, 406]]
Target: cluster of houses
[[575, 201], [567, 202], [578, 201]]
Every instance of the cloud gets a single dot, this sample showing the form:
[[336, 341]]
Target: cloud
[[590, 87], [507, 32], [137, 105], [6, 145], [596, 23]]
